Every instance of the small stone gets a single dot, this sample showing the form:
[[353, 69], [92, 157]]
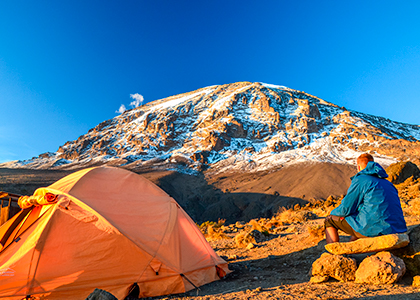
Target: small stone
[[258, 236], [366, 245], [232, 257], [244, 239], [416, 281], [381, 268], [339, 267], [250, 246], [319, 279]]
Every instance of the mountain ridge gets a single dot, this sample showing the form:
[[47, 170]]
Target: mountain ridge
[[238, 127]]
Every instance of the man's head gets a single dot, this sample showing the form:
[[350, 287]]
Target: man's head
[[363, 160]]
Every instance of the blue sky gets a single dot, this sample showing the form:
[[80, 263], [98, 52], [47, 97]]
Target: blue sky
[[66, 66]]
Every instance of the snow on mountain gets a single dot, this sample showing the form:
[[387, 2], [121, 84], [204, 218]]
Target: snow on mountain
[[242, 126]]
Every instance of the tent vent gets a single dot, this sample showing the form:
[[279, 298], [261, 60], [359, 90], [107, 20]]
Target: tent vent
[[155, 264], [220, 272]]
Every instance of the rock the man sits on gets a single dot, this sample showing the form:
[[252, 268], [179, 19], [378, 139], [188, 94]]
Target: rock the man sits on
[[370, 208]]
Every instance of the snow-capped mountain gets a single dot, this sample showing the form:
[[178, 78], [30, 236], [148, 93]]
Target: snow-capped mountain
[[242, 126]]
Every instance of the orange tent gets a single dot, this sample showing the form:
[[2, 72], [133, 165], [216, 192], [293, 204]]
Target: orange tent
[[105, 228]]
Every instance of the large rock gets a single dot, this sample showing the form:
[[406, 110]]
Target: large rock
[[401, 171], [411, 253], [381, 268], [416, 281], [335, 266], [366, 245]]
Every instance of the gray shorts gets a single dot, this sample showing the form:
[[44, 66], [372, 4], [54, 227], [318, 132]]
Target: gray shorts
[[340, 223]]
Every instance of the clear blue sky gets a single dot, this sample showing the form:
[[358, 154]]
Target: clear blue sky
[[66, 66]]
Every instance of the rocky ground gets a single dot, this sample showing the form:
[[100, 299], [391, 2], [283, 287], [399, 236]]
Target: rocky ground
[[270, 258], [278, 266]]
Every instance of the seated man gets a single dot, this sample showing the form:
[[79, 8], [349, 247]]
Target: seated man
[[370, 208]]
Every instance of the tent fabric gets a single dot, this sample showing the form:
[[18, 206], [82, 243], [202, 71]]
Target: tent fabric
[[109, 229]]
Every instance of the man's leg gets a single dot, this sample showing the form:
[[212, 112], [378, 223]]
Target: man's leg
[[353, 238], [333, 223], [331, 235]]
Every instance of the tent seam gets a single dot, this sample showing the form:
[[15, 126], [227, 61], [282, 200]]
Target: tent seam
[[35, 247], [202, 242], [160, 244]]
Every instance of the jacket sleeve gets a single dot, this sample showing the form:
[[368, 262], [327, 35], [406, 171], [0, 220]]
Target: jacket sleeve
[[350, 203]]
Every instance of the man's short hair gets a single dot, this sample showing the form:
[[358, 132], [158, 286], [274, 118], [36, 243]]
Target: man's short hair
[[363, 159]]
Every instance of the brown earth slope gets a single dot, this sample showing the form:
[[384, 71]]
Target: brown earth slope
[[306, 181], [244, 196]]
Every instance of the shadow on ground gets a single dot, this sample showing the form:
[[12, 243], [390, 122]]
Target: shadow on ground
[[207, 197], [205, 202], [202, 201]]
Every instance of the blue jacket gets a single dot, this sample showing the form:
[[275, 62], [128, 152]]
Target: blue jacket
[[372, 206]]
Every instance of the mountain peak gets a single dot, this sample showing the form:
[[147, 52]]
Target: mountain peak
[[235, 127]]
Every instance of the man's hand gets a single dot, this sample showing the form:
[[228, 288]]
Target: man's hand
[[334, 218]]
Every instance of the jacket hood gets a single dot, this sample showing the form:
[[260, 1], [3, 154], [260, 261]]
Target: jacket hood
[[373, 169]]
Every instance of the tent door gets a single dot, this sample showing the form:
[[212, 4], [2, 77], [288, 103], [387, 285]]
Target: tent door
[[13, 226]]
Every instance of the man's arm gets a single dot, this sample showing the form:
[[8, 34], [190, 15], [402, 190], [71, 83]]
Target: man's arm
[[350, 203]]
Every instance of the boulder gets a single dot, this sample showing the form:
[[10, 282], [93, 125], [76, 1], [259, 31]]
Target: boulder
[[99, 294], [335, 266], [381, 268], [366, 245], [401, 171], [416, 281], [411, 253]]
